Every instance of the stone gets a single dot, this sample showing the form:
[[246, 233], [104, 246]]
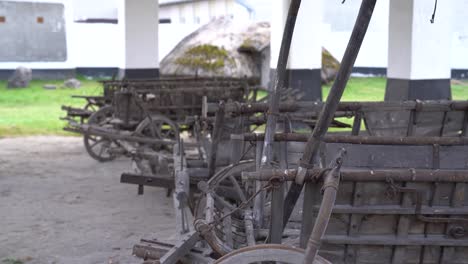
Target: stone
[[72, 83], [20, 78], [50, 86]]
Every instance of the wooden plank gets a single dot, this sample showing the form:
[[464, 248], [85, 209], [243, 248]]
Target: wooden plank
[[310, 191], [399, 252], [351, 251], [389, 240], [227, 228], [165, 181], [180, 249], [457, 201]]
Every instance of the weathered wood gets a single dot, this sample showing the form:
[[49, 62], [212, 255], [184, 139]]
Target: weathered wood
[[115, 134], [180, 249], [227, 228], [394, 209], [366, 140], [166, 181], [312, 106], [368, 175], [216, 138], [279, 82], [410, 240], [259, 200]]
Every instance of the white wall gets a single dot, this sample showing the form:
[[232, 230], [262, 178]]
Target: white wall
[[171, 34], [84, 49], [338, 23], [69, 63], [279, 12], [306, 46], [140, 24], [339, 20], [202, 12], [97, 45], [84, 9], [459, 58], [262, 9]]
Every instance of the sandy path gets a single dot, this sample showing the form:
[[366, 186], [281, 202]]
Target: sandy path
[[57, 205]]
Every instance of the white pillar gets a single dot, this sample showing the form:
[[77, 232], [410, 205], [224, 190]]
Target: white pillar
[[305, 57], [139, 21], [419, 51]]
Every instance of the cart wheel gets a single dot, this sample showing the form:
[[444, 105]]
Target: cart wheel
[[270, 253], [98, 147], [227, 191], [159, 127], [91, 107]]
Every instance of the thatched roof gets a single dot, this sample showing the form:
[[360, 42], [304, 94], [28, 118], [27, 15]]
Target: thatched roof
[[227, 48], [230, 40]]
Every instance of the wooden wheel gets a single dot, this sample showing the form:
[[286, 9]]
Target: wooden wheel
[[270, 253], [224, 192], [158, 127], [98, 147], [91, 107]]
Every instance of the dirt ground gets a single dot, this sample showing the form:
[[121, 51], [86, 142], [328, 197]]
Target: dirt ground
[[57, 205]]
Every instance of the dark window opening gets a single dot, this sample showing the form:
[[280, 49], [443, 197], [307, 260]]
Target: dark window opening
[[2, 19], [165, 21], [40, 20], [98, 21]]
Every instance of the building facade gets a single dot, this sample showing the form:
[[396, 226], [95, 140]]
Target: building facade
[[88, 36]]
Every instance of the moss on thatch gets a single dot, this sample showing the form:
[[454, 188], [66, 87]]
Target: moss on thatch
[[328, 61], [205, 57]]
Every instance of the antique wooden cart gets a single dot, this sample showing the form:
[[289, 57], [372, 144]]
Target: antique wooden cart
[[159, 107], [395, 194]]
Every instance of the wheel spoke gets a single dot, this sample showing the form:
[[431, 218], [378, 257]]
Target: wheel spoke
[[92, 138], [102, 140], [237, 188], [101, 151]]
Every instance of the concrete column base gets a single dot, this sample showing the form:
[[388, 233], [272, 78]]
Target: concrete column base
[[403, 89], [152, 73], [307, 81]]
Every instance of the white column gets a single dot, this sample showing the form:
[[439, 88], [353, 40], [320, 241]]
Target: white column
[[305, 57], [419, 51], [139, 21], [306, 46], [278, 19]]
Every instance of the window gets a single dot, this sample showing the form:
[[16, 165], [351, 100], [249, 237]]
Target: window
[[164, 21], [40, 20], [2, 19]]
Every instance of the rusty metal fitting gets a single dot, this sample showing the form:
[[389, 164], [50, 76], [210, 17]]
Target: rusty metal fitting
[[332, 180], [201, 226], [301, 175], [276, 181]]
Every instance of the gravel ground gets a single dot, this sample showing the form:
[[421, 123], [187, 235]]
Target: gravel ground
[[60, 206]]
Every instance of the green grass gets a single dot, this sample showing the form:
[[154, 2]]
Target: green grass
[[36, 111], [373, 89]]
